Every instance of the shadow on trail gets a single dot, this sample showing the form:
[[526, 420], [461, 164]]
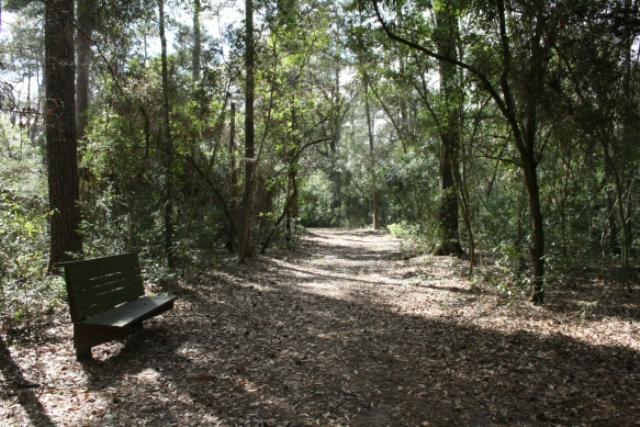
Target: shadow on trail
[[596, 302], [16, 385], [278, 354], [464, 291], [317, 232], [314, 277], [249, 345]]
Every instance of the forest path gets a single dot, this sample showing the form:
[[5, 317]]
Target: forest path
[[343, 331], [351, 265]]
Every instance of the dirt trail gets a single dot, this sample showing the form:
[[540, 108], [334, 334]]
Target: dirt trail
[[343, 331]]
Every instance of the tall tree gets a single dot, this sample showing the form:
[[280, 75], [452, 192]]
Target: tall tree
[[339, 110], [520, 110], [166, 141], [86, 23], [375, 202], [62, 156], [196, 50], [232, 176], [246, 249], [447, 38]]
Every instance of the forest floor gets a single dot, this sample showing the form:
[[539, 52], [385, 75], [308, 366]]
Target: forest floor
[[343, 331]]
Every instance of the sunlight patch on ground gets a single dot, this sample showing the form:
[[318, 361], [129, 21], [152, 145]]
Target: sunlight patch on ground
[[343, 331]]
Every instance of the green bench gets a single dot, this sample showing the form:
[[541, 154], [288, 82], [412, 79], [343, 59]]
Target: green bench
[[107, 301]]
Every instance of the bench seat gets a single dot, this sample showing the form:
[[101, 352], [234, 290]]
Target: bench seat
[[132, 312]]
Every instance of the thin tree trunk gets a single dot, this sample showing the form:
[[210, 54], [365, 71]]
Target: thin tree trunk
[[375, 203], [62, 155], [29, 79], [197, 42], [336, 173], [289, 210], [233, 176], [520, 231], [466, 210], [629, 140], [537, 227], [246, 244], [622, 213], [292, 208], [167, 143]]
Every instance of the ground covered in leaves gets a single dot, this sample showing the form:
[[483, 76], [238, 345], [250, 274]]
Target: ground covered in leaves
[[344, 331]]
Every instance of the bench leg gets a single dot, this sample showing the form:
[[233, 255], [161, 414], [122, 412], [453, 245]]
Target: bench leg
[[85, 337], [82, 341]]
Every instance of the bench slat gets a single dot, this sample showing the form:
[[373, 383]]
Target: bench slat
[[97, 285], [131, 312], [84, 274], [114, 281], [97, 293], [87, 304]]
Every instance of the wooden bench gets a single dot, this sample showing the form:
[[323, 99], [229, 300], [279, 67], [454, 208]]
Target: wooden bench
[[107, 301]]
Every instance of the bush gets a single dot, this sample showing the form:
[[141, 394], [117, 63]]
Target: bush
[[26, 291]]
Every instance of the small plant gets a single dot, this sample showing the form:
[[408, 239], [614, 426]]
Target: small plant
[[416, 239]]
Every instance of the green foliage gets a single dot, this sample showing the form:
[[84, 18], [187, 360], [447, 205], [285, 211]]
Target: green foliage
[[26, 291], [403, 230], [314, 165], [316, 202]]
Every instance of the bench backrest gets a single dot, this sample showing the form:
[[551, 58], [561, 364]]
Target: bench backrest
[[97, 285]]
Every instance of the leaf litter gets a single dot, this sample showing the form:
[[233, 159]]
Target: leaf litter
[[345, 331]]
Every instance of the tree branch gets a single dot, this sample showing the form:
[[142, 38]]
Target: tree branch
[[484, 80]]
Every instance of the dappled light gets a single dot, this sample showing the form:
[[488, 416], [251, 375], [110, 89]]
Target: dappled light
[[317, 337], [319, 213]]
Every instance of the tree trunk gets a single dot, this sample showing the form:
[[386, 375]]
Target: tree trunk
[[232, 182], [520, 229], [532, 96], [291, 204], [629, 140], [86, 16], [166, 143], [62, 155], [446, 40], [246, 244], [537, 228], [292, 208], [375, 203], [197, 42], [533, 76], [466, 207], [336, 173]]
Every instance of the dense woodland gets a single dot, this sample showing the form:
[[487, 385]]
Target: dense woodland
[[475, 128], [198, 133]]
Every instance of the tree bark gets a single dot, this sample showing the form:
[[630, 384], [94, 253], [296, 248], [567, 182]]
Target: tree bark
[[292, 208], [166, 143], [86, 22], [232, 182], [246, 244], [532, 95], [62, 155], [375, 203], [447, 35], [197, 42], [336, 173], [537, 227]]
